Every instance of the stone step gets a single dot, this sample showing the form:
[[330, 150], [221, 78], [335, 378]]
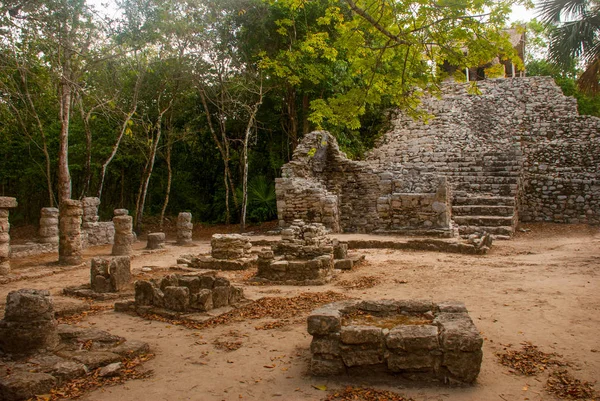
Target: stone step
[[484, 221], [462, 198], [494, 189], [486, 179], [495, 230], [477, 172], [483, 210]]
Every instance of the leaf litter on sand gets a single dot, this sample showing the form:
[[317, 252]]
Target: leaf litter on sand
[[73, 319], [77, 387], [528, 361], [364, 394], [280, 308], [563, 385], [359, 283]]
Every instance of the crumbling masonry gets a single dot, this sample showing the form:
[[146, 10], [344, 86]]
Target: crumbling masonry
[[518, 151]]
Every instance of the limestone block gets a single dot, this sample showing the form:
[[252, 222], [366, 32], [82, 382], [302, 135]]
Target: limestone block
[[324, 321], [413, 338], [202, 300], [7, 202], [361, 335], [156, 241], [120, 273], [320, 366], [328, 344], [464, 366], [22, 385], [361, 354], [177, 298], [401, 361], [220, 296]]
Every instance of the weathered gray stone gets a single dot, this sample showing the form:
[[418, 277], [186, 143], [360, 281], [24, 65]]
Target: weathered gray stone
[[120, 273], [326, 367], [401, 361], [202, 300], [156, 241], [177, 298], [413, 338], [24, 385], [324, 321], [70, 241], [361, 335], [220, 296], [464, 366]]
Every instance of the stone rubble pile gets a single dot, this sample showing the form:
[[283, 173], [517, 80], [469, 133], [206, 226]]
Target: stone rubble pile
[[70, 244], [228, 252], [94, 231], [37, 354], [418, 340], [304, 256], [184, 228], [185, 293], [110, 274], [230, 246], [124, 236]]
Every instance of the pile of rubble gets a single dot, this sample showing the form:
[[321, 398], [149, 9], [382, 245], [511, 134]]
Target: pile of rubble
[[304, 256], [37, 354], [182, 293], [228, 252]]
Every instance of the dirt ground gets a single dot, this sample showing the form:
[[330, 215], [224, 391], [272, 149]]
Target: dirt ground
[[542, 287]]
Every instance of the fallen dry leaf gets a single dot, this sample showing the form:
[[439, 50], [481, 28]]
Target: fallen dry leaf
[[365, 394], [563, 385]]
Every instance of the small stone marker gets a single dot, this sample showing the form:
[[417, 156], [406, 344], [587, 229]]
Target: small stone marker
[[123, 233], [184, 228], [156, 241]]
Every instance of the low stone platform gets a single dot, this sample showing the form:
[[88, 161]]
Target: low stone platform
[[415, 339], [178, 294], [85, 291], [211, 263], [479, 246]]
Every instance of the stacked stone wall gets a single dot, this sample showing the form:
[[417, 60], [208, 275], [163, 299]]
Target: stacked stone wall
[[517, 140]]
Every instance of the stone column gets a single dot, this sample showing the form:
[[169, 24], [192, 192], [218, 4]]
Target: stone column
[[184, 228], [5, 204], [123, 233], [48, 233], [69, 247], [156, 241], [29, 323]]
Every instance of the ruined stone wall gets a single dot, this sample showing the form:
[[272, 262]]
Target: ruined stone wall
[[322, 185], [519, 141]]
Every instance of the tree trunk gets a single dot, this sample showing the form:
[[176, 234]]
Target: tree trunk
[[169, 179], [305, 112], [87, 176], [139, 208], [64, 177], [124, 127], [251, 121]]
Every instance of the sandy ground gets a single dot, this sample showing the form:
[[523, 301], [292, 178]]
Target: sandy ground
[[542, 287]]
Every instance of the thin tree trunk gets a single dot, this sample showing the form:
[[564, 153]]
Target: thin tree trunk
[[124, 126], [64, 176], [88, 149], [305, 111], [251, 121], [139, 209], [169, 180]]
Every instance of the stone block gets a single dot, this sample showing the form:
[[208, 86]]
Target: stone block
[[460, 335], [464, 366], [361, 354], [193, 283], [120, 273], [220, 296], [401, 361], [177, 298], [413, 338], [328, 344], [207, 282], [236, 294], [28, 305], [343, 264], [156, 241], [361, 335], [324, 321], [320, 366], [7, 202], [100, 284], [121, 212], [202, 300], [21, 385]]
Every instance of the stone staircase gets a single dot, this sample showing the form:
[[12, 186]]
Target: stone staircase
[[485, 193]]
